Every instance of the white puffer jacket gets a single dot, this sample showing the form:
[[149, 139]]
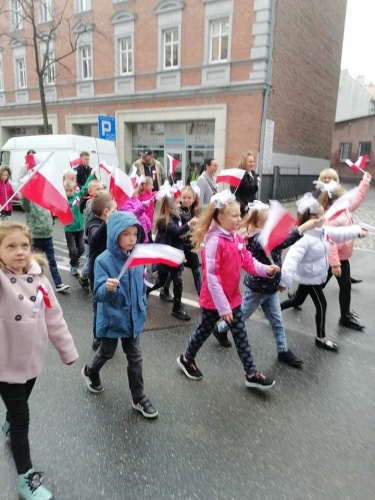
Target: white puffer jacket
[[307, 260]]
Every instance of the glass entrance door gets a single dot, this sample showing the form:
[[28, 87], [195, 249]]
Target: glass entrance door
[[180, 173]]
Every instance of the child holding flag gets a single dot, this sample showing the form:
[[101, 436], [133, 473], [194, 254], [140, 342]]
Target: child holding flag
[[121, 310], [223, 257]]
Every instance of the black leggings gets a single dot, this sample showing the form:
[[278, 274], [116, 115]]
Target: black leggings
[[345, 285], [15, 397], [176, 275], [320, 303]]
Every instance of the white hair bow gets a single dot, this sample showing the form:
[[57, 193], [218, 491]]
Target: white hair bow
[[257, 205], [168, 191], [222, 198], [194, 186], [141, 179], [307, 202], [326, 187]]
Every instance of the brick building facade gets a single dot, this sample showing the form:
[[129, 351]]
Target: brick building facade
[[193, 78]]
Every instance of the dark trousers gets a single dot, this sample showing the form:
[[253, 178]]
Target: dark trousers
[[192, 261], [345, 285], [176, 275], [320, 303], [15, 397], [132, 349], [76, 246], [5, 213], [208, 321], [46, 245]]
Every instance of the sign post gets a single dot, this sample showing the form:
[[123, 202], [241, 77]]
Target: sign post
[[107, 127]]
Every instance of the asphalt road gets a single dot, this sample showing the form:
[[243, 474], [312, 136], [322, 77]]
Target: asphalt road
[[311, 437]]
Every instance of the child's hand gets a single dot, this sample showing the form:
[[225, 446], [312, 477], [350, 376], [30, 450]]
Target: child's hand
[[363, 233], [336, 271], [272, 270], [366, 177], [112, 284], [94, 171], [228, 318], [281, 289]]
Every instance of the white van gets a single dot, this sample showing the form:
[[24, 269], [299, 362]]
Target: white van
[[65, 147]]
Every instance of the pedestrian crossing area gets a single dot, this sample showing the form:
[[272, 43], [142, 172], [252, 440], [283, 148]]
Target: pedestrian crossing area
[[62, 256]]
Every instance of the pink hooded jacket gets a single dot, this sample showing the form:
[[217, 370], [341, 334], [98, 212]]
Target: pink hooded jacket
[[24, 334], [135, 206], [223, 256], [344, 250]]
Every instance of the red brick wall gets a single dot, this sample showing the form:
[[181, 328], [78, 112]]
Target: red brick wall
[[306, 70]]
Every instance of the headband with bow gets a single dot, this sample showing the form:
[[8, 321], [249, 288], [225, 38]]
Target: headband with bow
[[307, 202], [223, 198]]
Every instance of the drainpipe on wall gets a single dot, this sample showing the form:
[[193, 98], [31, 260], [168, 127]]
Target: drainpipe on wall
[[267, 92]]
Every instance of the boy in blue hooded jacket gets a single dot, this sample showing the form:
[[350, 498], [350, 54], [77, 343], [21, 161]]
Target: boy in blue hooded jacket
[[122, 306]]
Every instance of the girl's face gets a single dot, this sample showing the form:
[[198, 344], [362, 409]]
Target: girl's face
[[70, 177], [149, 186], [250, 163], [230, 220], [327, 178], [15, 251], [187, 198], [174, 206], [5, 176]]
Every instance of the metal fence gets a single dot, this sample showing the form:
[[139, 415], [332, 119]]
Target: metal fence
[[286, 183]]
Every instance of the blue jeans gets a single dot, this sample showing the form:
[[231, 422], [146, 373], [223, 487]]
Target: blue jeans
[[271, 307], [85, 269], [46, 245]]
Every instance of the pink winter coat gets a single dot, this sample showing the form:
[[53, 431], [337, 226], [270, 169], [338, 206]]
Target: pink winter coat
[[135, 206], [6, 191], [151, 207], [24, 334], [344, 250], [223, 256]]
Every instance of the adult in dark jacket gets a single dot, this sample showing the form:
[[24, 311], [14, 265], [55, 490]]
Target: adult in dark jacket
[[83, 170], [248, 189]]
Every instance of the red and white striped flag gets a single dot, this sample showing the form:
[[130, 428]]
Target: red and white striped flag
[[33, 159], [172, 165], [340, 205], [75, 160], [134, 176], [120, 186], [45, 188], [105, 167], [76, 202], [276, 228], [233, 176], [358, 165]]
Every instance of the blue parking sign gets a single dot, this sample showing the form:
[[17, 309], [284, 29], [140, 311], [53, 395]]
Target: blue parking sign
[[107, 127]]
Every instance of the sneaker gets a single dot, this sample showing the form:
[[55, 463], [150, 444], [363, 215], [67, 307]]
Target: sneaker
[[181, 313], [6, 429], [62, 287], [189, 368], [351, 320], [221, 337], [74, 271], [166, 297], [92, 381], [290, 359], [96, 344], [84, 282], [30, 487], [146, 408], [259, 381]]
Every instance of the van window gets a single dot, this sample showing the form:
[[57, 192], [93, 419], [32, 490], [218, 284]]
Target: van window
[[5, 158]]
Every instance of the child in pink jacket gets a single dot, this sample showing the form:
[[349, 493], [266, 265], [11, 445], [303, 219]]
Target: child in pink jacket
[[135, 206], [29, 316], [224, 255], [340, 253], [6, 191]]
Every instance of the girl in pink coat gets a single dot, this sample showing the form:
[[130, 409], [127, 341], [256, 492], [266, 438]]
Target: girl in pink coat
[[223, 256], [29, 316], [340, 253], [6, 191]]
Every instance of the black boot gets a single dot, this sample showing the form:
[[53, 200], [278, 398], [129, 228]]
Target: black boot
[[350, 321], [354, 281], [222, 338], [180, 312], [165, 295]]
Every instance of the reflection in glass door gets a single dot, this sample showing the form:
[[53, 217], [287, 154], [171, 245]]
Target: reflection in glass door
[[180, 173]]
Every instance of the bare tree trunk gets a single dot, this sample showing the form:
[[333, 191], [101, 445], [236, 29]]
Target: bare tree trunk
[[43, 104]]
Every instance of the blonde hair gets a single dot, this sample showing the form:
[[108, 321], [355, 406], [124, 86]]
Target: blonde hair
[[69, 185], [244, 158], [329, 172], [253, 218], [209, 214], [325, 200], [141, 188], [91, 184], [69, 172], [8, 227]]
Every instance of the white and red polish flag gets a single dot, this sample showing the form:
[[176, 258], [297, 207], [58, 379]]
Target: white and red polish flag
[[276, 228], [172, 165], [107, 168], [134, 176], [45, 188], [33, 159], [157, 253], [74, 160], [358, 165], [340, 205], [233, 176], [120, 186]]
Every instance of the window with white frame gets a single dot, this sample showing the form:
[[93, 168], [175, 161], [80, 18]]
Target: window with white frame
[[21, 78], [16, 15], [82, 5], [50, 72], [219, 40], [85, 60], [170, 48], [364, 148], [45, 11], [1, 76], [125, 54], [345, 151]]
